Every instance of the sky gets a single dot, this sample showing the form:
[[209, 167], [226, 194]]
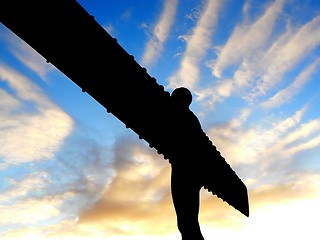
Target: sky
[[69, 170]]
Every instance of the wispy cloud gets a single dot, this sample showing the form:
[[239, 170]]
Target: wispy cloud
[[55, 190], [247, 39], [24, 202], [109, 28], [284, 55], [262, 57], [32, 127], [26, 54], [269, 150], [286, 52], [198, 44], [248, 146], [242, 53], [286, 94], [160, 33]]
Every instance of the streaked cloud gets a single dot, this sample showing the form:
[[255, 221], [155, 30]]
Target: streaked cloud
[[286, 54], [247, 38], [260, 56], [32, 127], [286, 94], [241, 145], [197, 45], [160, 33], [26, 54]]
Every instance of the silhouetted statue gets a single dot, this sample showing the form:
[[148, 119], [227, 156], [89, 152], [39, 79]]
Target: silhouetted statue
[[93, 60], [196, 163], [186, 180]]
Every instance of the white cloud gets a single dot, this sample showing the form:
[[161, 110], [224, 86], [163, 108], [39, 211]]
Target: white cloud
[[284, 55], [263, 153], [197, 46], [26, 54], [261, 64], [304, 137], [29, 137], [21, 206], [8, 102], [286, 94], [160, 32], [30, 210], [247, 39], [309, 144], [258, 143], [304, 131], [32, 127], [243, 49], [20, 189]]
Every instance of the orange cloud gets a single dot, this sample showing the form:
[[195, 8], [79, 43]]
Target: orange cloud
[[138, 200]]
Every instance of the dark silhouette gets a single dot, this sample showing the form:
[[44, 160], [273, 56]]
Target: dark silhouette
[[186, 179], [196, 163], [68, 37]]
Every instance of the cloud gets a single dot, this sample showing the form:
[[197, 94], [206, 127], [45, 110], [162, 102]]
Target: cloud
[[138, 203], [279, 205], [243, 49], [284, 55], [26, 54], [257, 144], [32, 127], [309, 144], [265, 154], [109, 28], [259, 57], [268, 203], [160, 33], [247, 39], [297, 189], [197, 46], [20, 189], [8, 102], [138, 195], [57, 190], [22, 204], [29, 210], [286, 94]]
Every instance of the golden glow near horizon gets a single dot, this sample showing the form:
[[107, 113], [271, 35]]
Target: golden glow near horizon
[[69, 171]]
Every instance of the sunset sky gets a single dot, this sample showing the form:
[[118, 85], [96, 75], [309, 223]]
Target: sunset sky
[[71, 171]]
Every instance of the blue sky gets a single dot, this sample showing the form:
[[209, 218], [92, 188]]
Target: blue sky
[[69, 170]]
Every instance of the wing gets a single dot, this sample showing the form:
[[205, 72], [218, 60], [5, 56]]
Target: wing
[[221, 180], [68, 37]]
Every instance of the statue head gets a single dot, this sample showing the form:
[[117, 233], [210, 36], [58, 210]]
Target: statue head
[[182, 97]]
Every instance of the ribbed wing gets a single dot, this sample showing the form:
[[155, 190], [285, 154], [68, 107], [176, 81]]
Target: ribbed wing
[[221, 180]]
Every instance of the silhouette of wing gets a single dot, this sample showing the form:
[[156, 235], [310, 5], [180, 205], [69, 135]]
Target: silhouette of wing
[[221, 180], [69, 38]]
